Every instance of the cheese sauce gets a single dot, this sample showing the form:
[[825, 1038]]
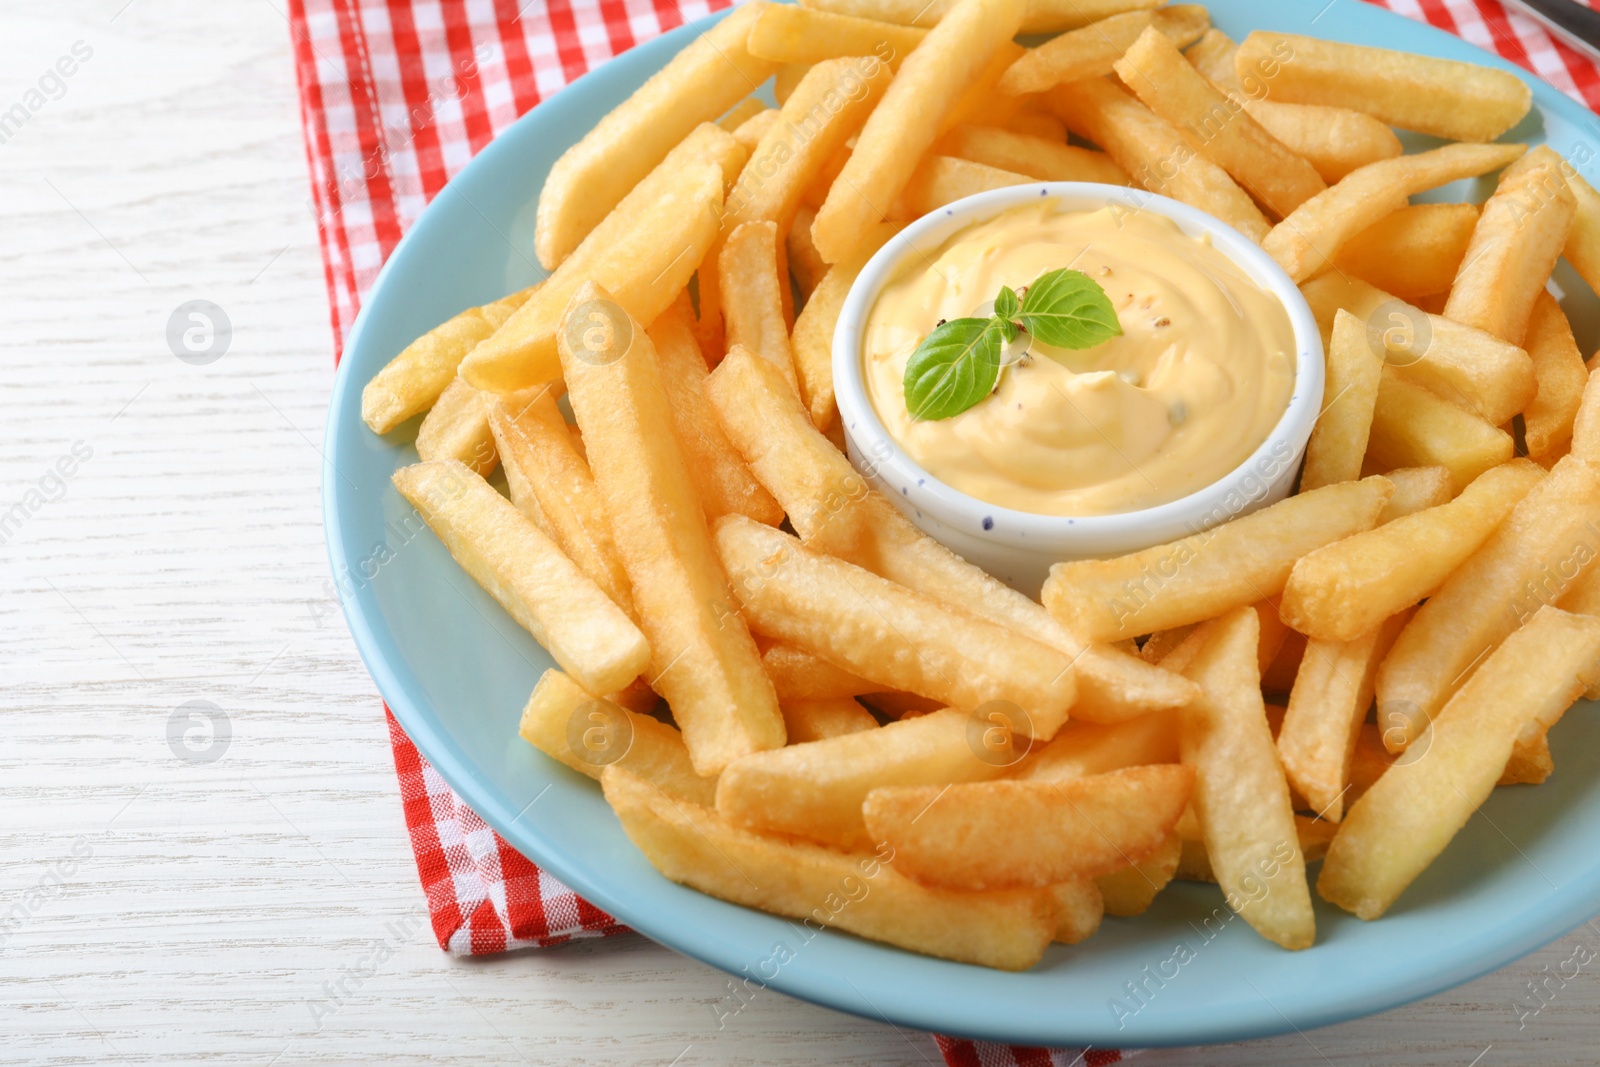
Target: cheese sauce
[[1201, 374]]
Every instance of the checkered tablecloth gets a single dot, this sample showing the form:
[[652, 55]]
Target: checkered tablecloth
[[395, 97]]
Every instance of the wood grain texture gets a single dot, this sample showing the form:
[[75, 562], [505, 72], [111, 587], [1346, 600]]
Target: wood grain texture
[[211, 906]]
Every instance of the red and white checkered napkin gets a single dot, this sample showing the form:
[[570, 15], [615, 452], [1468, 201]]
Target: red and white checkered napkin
[[395, 98]]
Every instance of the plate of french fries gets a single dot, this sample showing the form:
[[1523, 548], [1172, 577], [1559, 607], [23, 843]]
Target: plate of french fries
[[599, 543]]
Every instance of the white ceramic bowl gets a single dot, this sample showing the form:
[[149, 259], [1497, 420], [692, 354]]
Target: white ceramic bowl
[[1018, 547]]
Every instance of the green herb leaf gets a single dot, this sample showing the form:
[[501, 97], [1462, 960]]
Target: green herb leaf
[[1006, 304], [953, 368], [1067, 309]]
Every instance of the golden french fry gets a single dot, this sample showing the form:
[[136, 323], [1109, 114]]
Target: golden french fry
[[703, 660], [588, 733], [742, 112], [1583, 242], [1240, 798], [788, 33], [1221, 128], [1153, 152], [1410, 814], [1132, 889], [1033, 157], [805, 264], [520, 567], [1201, 576], [1412, 253], [457, 427], [412, 382], [1519, 237], [887, 633], [981, 102], [723, 483], [644, 253], [1163, 642], [815, 790], [787, 79], [1416, 488], [1586, 424], [833, 509], [1461, 363], [818, 720], [1194, 865], [1033, 123], [800, 675], [1082, 749], [1090, 51], [750, 132], [811, 343], [1339, 440], [544, 468], [595, 175], [1011, 834], [905, 122], [1443, 97], [1532, 558], [1346, 589], [752, 306], [1306, 240], [1079, 909], [1330, 698], [1039, 16], [1562, 376], [941, 180], [1415, 427], [861, 893]]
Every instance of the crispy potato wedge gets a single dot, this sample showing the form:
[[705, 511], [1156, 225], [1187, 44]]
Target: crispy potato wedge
[[588, 733], [1221, 127], [1443, 97], [1201, 576], [1307, 239], [1412, 253], [594, 176], [906, 121], [1412, 426], [1079, 909], [1155, 154], [1089, 52], [1533, 557], [1012, 834], [1339, 439], [815, 790], [1132, 889], [551, 480], [887, 633], [1515, 245], [1031, 156], [788, 33], [860, 893], [1562, 376], [703, 660], [1410, 814], [1346, 589], [520, 567], [818, 720], [412, 382], [1240, 798], [457, 427]]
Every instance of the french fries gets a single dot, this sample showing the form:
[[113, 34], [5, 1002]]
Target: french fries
[[860, 893], [1412, 253], [412, 382], [1346, 589], [818, 720], [941, 180], [1583, 241], [811, 343], [1040, 16], [905, 121], [551, 484], [1030, 156], [1306, 240], [520, 567], [1240, 798], [702, 658], [1153, 152], [1416, 488], [815, 790], [1442, 97], [1082, 749], [1411, 813], [1518, 239], [1224, 131], [752, 305], [1339, 440], [1532, 558], [788, 33], [457, 427], [885, 632], [1203, 575], [1013, 834], [594, 175], [1412, 426], [1133, 888], [565, 722], [1558, 366], [1089, 52], [1079, 909]]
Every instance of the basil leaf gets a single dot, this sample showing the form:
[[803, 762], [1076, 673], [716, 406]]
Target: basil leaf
[[1065, 308], [1006, 304], [953, 368]]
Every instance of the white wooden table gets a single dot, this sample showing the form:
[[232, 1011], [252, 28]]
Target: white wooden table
[[261, 906]]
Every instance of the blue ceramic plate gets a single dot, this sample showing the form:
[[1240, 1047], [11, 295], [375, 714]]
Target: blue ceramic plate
[[457, 671]]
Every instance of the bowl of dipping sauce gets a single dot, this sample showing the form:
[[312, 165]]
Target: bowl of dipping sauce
[[1197, 413]]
